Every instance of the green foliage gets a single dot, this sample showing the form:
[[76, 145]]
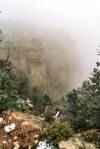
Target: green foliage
[[57, 132], [23, 84], [12, 88], [9, 97], [7, 76], [83, 104], [12, 101], [40, 101], [49, 117]]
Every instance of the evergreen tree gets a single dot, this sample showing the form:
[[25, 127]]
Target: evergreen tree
[[9, 98], [83, 104]]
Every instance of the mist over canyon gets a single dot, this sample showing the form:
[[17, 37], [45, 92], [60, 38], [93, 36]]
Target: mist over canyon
[[54, 42], [48, 58]]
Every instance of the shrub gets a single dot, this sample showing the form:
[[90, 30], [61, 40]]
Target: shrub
[[9, 97], [39, 100], [13, 89], [57, 132], [12, 102], [82, 105], [49, 117]]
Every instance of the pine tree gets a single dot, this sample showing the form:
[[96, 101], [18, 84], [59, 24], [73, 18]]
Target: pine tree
[[83, 104]]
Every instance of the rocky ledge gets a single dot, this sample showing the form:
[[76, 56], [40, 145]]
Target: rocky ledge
[[19, 130]]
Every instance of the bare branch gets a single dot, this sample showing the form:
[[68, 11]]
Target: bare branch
[[9, 53]]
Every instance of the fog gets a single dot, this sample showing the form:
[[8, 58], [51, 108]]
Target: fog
[[68, 30]]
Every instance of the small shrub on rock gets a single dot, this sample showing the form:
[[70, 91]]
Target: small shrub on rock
[[56, 132]]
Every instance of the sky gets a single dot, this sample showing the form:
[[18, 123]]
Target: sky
[[56, 10], [79, 18]]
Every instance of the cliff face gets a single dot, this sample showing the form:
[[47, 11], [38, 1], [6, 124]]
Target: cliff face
[[27, 55], [30, 62], [48, 61]]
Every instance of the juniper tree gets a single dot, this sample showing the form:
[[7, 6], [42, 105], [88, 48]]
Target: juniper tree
[[82, 105], [9, 97]]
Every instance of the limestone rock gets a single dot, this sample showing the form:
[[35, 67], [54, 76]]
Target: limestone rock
[[76, 143], [25, 134]]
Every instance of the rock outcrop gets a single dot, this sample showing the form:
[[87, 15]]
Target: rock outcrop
[[47, 58], [76, 143], [22, 130], [27, 56], [25, 132]]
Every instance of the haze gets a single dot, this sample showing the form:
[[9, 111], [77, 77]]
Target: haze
[[77, 21]]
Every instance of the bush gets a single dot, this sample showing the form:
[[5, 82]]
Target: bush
[[39, 100], [13, 89], [9, 98], [57, 132], [49, 117], [13, 101], [82, 105]]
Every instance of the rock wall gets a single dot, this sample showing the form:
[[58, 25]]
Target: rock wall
[[46, 59], [27, 56]]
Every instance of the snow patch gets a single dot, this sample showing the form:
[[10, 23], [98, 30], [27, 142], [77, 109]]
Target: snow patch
[[9, 128], [43, 145]]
